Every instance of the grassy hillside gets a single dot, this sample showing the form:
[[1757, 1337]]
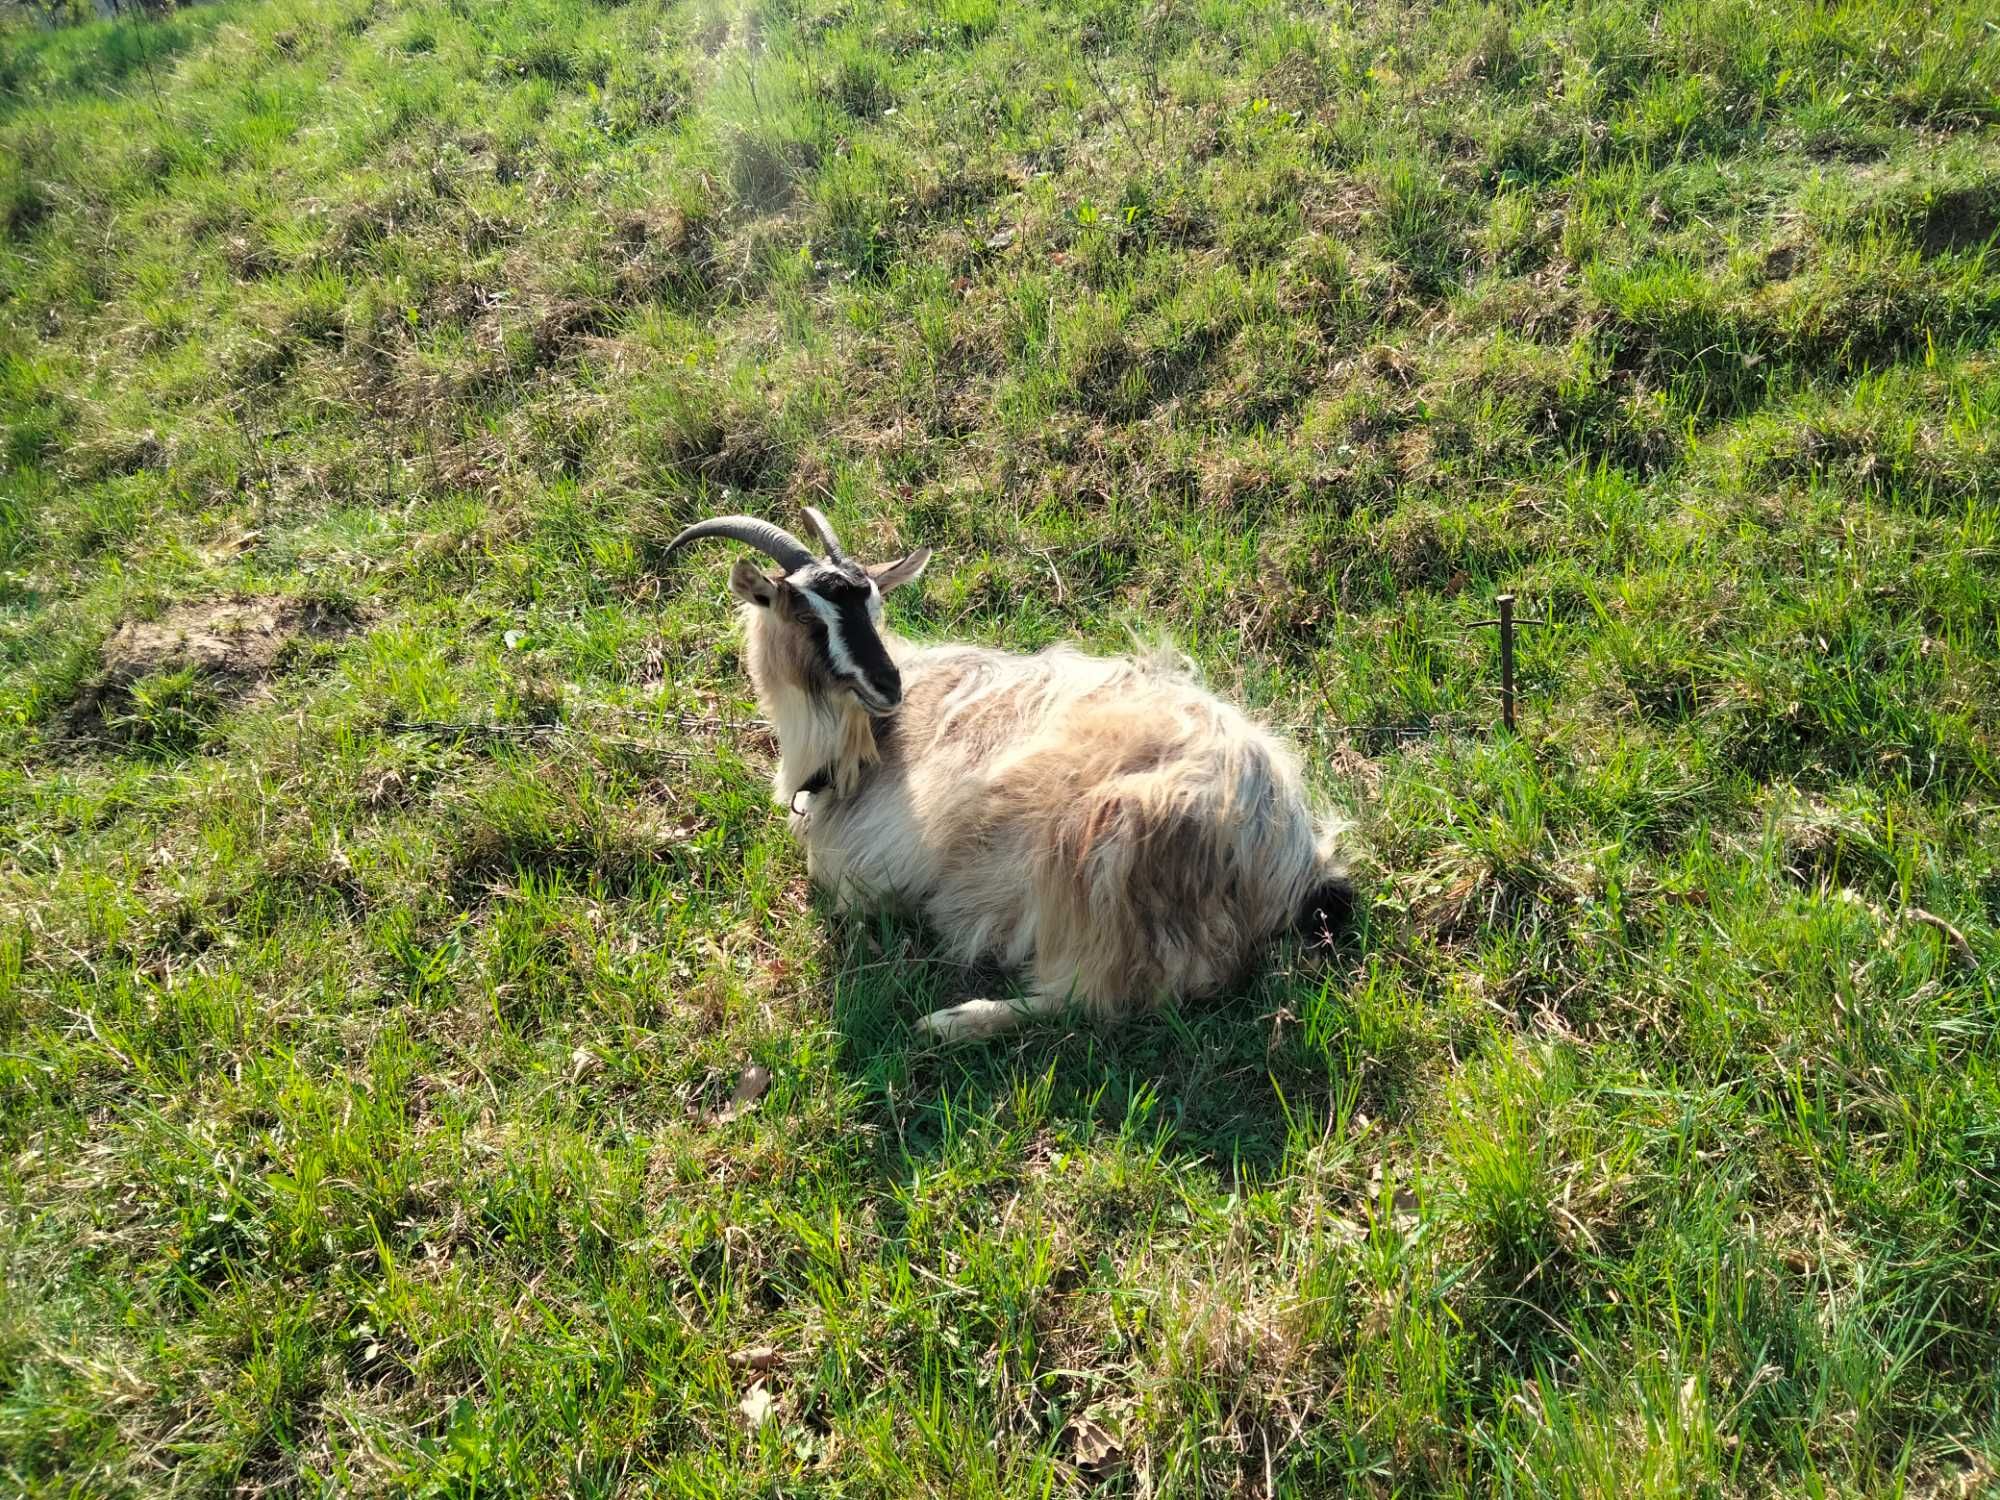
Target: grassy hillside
[[389, 896]]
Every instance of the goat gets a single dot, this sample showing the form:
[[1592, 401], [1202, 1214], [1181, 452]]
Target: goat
[[1102, 823]]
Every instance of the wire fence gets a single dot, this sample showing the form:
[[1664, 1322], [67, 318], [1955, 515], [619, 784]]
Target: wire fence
[[656, 720], [682, 736], [1373, 738]]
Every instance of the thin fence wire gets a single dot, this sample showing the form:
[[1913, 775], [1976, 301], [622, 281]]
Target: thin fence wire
[[1373, 737]]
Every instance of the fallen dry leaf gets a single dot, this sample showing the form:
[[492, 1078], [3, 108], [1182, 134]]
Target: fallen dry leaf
[[1092, 1445], [749, 1089], [759, 1357]]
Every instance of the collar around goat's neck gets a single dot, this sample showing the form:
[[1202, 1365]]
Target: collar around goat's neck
[[820, 781]]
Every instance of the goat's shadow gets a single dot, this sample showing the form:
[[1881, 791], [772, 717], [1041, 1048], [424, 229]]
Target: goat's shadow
[[1234, 1081]]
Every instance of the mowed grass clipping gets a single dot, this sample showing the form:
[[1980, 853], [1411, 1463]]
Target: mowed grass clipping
[[390, 899]]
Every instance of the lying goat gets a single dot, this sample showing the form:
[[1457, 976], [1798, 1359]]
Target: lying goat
[[1101, 823]]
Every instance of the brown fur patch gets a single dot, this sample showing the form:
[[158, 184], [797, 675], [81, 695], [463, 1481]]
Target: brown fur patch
[[857, 751], [1099, 821]]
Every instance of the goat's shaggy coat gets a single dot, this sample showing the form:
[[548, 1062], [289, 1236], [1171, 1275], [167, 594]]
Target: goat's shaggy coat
[[1102, 824]]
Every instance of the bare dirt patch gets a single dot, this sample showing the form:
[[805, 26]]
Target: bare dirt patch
[[221, 652]]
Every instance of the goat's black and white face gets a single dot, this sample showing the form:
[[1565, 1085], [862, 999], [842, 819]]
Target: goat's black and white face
[[830, 608], [836, 607]]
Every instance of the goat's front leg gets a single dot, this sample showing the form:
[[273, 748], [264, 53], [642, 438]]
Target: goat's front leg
[[976, 1020], [828, 873]]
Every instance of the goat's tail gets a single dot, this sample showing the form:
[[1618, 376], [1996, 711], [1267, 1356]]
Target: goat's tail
[[1327, 910], [1327, 907]]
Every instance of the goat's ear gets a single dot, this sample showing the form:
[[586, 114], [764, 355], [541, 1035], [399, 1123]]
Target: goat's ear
[[888, 575], [752, 584]]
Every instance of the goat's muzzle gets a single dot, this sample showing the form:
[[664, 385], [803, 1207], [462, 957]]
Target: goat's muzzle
[[879, 694]]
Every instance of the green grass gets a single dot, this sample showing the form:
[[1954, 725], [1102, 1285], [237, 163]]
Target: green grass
[[368, 996]]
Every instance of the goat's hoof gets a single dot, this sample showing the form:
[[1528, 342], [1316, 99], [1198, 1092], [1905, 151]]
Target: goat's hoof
[[969, 1021]]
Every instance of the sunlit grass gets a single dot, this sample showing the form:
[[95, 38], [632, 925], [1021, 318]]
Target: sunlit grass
[[370, 999]]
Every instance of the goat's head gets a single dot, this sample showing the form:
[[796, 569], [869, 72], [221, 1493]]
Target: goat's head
[[831, 606]]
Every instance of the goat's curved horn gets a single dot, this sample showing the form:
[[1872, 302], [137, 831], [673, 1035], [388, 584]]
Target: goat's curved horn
[[776, 543], [823, 528]]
